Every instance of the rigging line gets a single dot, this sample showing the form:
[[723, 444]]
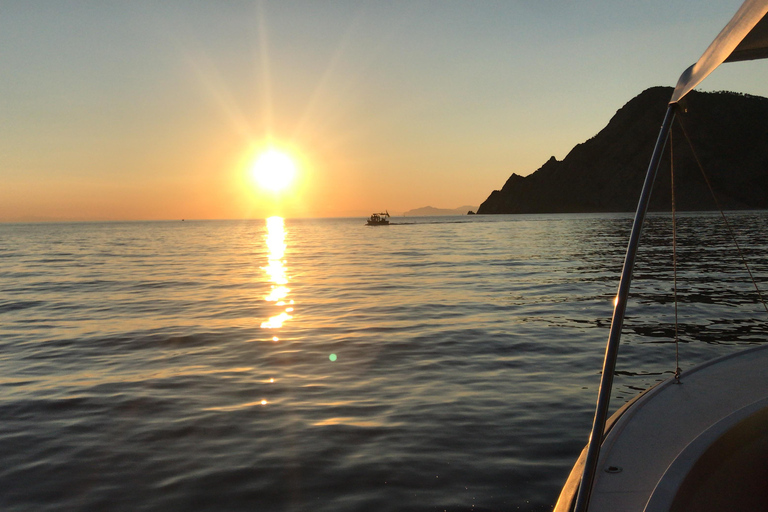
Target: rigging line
[[674, 255], [725, 219]]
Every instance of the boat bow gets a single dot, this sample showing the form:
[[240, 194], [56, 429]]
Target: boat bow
[[745, 37]]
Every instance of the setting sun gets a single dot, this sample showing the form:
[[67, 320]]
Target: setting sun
[[273, 170]]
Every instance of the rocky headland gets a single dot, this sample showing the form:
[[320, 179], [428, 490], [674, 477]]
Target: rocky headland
[[729, 134]]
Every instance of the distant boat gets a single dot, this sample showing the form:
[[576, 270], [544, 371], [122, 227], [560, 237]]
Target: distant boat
[[699, 443], [378, 219]]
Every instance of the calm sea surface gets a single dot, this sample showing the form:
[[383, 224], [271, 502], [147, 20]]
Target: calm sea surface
[[435, 364]]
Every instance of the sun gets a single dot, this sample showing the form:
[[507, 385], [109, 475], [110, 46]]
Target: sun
[[273, 170]]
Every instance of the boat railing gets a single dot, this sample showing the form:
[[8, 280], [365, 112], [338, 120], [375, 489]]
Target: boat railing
[[620, 303]]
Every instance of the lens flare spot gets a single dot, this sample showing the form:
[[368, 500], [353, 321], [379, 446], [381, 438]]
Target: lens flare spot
[[332, 357]]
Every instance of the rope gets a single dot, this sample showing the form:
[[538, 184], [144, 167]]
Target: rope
[[727, 224], [678, 371]]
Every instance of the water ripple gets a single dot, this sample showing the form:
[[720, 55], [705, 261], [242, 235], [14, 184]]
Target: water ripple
[[454, 370]]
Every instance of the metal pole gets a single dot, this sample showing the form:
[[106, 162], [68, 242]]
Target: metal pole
[[612, 349]]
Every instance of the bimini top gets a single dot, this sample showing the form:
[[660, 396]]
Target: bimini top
[[745, 37]]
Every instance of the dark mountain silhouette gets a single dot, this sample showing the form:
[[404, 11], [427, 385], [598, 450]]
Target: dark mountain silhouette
[[729, 133]]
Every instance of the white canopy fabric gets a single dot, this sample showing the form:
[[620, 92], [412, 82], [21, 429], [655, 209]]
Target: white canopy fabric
[[745, 37]]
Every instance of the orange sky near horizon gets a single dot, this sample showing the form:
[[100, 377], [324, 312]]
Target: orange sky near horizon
[[145, 111]]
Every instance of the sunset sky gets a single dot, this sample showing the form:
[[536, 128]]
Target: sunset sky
[[157, 110]]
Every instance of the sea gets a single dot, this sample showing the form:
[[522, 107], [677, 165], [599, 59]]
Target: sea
[[435, 364]]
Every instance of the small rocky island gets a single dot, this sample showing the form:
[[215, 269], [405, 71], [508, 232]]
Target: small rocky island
[[729, 132]]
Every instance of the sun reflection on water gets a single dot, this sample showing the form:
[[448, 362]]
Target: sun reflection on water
[[277, 275]]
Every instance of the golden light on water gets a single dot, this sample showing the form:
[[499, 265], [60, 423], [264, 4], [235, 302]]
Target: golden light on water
[[278, 293], [275, 271], [276, 321], [276, 238]]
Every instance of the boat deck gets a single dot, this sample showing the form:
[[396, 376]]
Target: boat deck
[[664, 448]]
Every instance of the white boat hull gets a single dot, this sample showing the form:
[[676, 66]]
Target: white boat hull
[[698, 445]]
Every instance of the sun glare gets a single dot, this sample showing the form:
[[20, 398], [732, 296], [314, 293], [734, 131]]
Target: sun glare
[[273, 170], [276, 272]]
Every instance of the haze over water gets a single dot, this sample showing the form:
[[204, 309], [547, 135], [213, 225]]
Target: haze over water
[[435, 364]]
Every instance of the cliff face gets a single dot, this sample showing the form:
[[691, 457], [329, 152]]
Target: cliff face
[[729, 133]]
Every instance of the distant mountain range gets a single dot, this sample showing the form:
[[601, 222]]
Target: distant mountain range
[[428, 210], [729, 134]]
